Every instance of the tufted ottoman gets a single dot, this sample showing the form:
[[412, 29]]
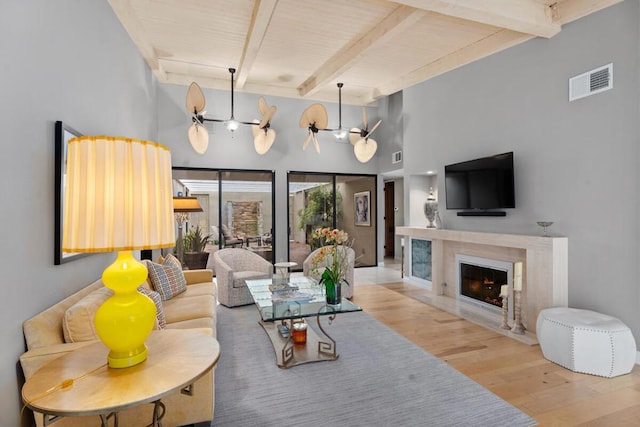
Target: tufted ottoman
[[585, 341]]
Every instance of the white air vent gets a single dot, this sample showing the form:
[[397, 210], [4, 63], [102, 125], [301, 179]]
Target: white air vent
[[396, 157], [591, 82]]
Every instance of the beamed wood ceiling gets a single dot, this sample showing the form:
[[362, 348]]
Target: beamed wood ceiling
[[302, 48]]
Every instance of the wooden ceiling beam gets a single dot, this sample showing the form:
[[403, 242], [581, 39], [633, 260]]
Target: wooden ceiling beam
[[496, 42], [397, 21], [260, 20], [523, 16], [264, 89], [130, 22], [568, 11]]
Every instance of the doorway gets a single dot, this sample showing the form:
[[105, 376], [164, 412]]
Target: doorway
[[389, 219]]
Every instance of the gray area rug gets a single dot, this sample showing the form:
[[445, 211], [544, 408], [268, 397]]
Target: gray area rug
[[380, 379]]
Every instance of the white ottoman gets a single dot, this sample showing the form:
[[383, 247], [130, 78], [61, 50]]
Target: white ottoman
[[585, 341]]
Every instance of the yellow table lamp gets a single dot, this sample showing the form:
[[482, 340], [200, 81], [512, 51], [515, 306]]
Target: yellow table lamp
[[118, 197]]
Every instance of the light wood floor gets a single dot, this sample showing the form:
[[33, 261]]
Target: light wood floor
[[516, 372]]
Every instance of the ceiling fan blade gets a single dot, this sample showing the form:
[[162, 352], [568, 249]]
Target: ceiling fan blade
[[267, 116], [262, 142], [365, 149], [374, 128], [364, 117], [198, 137], [307, 140], [317, 114], [304, 120], [262, 106], [315, 143], [195, 99], [354, 135]]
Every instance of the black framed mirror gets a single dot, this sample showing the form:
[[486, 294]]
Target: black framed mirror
[[63, 133]]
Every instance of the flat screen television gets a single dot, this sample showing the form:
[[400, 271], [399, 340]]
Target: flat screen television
[[480, 185]]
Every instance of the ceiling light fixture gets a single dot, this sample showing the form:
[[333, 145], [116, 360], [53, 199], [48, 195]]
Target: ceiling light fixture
[[232, 124], [198, 135], [340, 133]]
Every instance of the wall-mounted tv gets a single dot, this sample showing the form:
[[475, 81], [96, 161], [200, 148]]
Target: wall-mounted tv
[[479, 185]]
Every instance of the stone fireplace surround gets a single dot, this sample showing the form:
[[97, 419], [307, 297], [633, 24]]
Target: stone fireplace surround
[[544, 277]]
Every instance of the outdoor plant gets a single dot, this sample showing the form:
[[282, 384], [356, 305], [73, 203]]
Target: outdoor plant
[[318, 210], [194, 240]]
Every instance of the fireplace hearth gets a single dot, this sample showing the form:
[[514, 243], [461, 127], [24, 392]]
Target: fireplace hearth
[[480, 281]]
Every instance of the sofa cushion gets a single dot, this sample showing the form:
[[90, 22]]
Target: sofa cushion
[[167, 278], [161, 321], [199, 289], [77, 323], [180, 308], [239, 277]]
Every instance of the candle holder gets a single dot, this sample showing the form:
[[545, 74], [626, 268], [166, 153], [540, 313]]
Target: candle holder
[[505, 312], [518, 327]]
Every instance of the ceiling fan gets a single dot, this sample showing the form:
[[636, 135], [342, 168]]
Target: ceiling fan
[[364, 147], [198, 135], [314, 118]]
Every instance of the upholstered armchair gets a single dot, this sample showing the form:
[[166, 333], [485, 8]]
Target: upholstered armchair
[[233, 267], [307, 266]]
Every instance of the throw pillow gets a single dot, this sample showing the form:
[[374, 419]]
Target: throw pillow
[[161, 321], [167, 278], [171, 260], [77, 323]]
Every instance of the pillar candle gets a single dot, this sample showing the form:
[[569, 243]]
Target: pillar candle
[[517, 276], [504, 290]]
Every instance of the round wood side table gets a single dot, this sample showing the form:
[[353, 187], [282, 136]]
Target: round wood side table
[[81, 383]]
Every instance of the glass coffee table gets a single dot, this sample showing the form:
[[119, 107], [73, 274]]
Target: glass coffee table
[[284, 306]]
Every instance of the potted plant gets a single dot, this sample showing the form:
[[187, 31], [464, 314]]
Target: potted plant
[[194, 244], [333, 254]]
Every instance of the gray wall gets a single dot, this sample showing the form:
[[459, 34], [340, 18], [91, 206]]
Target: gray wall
[[390, 133], [70, 61], [236, 151], [576, 162]]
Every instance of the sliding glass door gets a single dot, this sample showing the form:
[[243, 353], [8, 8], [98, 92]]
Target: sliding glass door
[[247, 211], [340, 201], [237, 208]]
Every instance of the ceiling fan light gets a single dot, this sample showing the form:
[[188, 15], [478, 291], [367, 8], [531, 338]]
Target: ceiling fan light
[[340, 134], [232, 125], [198, 137]]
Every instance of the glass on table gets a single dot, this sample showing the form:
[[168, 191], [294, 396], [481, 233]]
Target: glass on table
[[299, 333]]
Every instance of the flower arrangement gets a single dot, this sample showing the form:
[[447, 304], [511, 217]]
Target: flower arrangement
[[334, 257]]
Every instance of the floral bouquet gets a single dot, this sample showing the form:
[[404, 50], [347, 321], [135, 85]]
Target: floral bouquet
[[334, 255]]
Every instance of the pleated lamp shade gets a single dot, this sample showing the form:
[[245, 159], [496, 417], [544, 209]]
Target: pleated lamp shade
[[118, 195]]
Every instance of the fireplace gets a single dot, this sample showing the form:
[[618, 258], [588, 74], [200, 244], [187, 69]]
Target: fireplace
[[480, 281]]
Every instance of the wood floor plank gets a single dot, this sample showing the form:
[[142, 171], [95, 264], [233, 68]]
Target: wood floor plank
[[515, 371]]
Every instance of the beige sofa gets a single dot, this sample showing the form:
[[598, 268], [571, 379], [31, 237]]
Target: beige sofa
[[194, 308]]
